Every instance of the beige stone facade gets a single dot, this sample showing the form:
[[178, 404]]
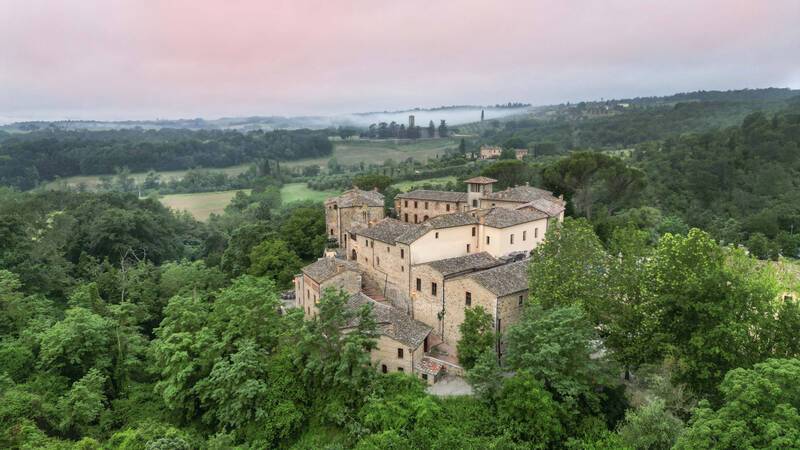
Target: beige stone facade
[[490, 152], [446, 251], [352, 208]]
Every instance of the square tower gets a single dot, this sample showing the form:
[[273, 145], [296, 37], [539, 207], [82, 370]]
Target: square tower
[[476, 188]]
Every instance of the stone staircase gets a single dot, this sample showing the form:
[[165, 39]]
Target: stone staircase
[[371, 289]]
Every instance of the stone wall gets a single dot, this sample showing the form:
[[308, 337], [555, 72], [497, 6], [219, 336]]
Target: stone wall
[[427, 306], [386, 354], [417, 210], [455, 304], [338, 221]]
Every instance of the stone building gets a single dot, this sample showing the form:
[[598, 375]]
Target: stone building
[[420, 205], [446, 252], [490, 152], [402, 343], [520, 153], [321, 274], [352, 208], [501, 291]]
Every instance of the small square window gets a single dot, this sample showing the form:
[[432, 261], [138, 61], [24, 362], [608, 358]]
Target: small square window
[[406, 203], [535, 232], [400, 369], [384, 369], [426, 205], [425, 376]]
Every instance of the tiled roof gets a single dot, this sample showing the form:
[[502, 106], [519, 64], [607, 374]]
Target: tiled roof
[[455, 219], [387, 230], [519, 194], [481, 180], [324, 268], [429, 366], [438, 196], [503, 218], [503, 280], [474, 261], [357, 197], [548, 206], [392, 322]]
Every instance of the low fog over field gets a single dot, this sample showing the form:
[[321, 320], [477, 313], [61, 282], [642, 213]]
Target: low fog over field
[[453, 115]]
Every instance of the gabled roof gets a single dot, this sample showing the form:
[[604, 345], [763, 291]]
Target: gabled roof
[[503, 280], [467, 263], [438, 196], [325, 268], [522, 194], [502, 217], [548, 206], [481, 180], [356, 197], [386, 230], [455, 219], [392, 322]]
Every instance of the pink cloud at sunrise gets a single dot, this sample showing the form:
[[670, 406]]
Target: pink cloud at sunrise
[[116, 59]]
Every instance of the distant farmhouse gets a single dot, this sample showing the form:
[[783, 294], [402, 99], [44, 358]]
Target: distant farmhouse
[[494, 152], [447, 251]]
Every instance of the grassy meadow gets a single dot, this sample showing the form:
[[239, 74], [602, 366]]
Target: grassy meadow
[[375, 152], [406, 186], [200, 205]]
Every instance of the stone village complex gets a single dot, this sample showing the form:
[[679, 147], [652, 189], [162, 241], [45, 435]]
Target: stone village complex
[[445, 252]]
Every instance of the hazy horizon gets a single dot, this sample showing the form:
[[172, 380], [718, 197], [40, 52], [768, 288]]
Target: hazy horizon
[[129, 60]]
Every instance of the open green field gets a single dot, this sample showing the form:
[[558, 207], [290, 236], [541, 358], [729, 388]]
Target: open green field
[[294, 192], [376, 152], [406, 186], [91, 181], [200, 205]]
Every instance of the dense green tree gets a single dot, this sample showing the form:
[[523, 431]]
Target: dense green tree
[[509, 173], [274, 260], [569, 267], [84, 402], [650, 427], [508, 153], [759, 410], [372, 181], [477, 336], [529, 412]]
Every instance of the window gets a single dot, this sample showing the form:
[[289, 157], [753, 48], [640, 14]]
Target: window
[[467, 248], [425, 218], [366, 242], [384, 369], [402, 253], [475, 203], [447, 207], [519, 301], [437, 235], [419, 284], [331, 231], [400, 369], [416, 205], [308, 293], [415, 219], [405, 217], [473, 231], [433, 288], [406, 203], [524, 235], [488, 240], [492, 204], [378, 260], [512, 239], [425, 376], [388, 250], [399, 353], [468, 298], [402, 268], [426, 205], [372, 244], [535, 232]]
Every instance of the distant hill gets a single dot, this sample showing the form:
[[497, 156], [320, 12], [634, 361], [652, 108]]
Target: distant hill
[[614, 124]]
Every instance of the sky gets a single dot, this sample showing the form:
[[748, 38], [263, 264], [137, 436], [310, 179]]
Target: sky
[[146, 59]]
